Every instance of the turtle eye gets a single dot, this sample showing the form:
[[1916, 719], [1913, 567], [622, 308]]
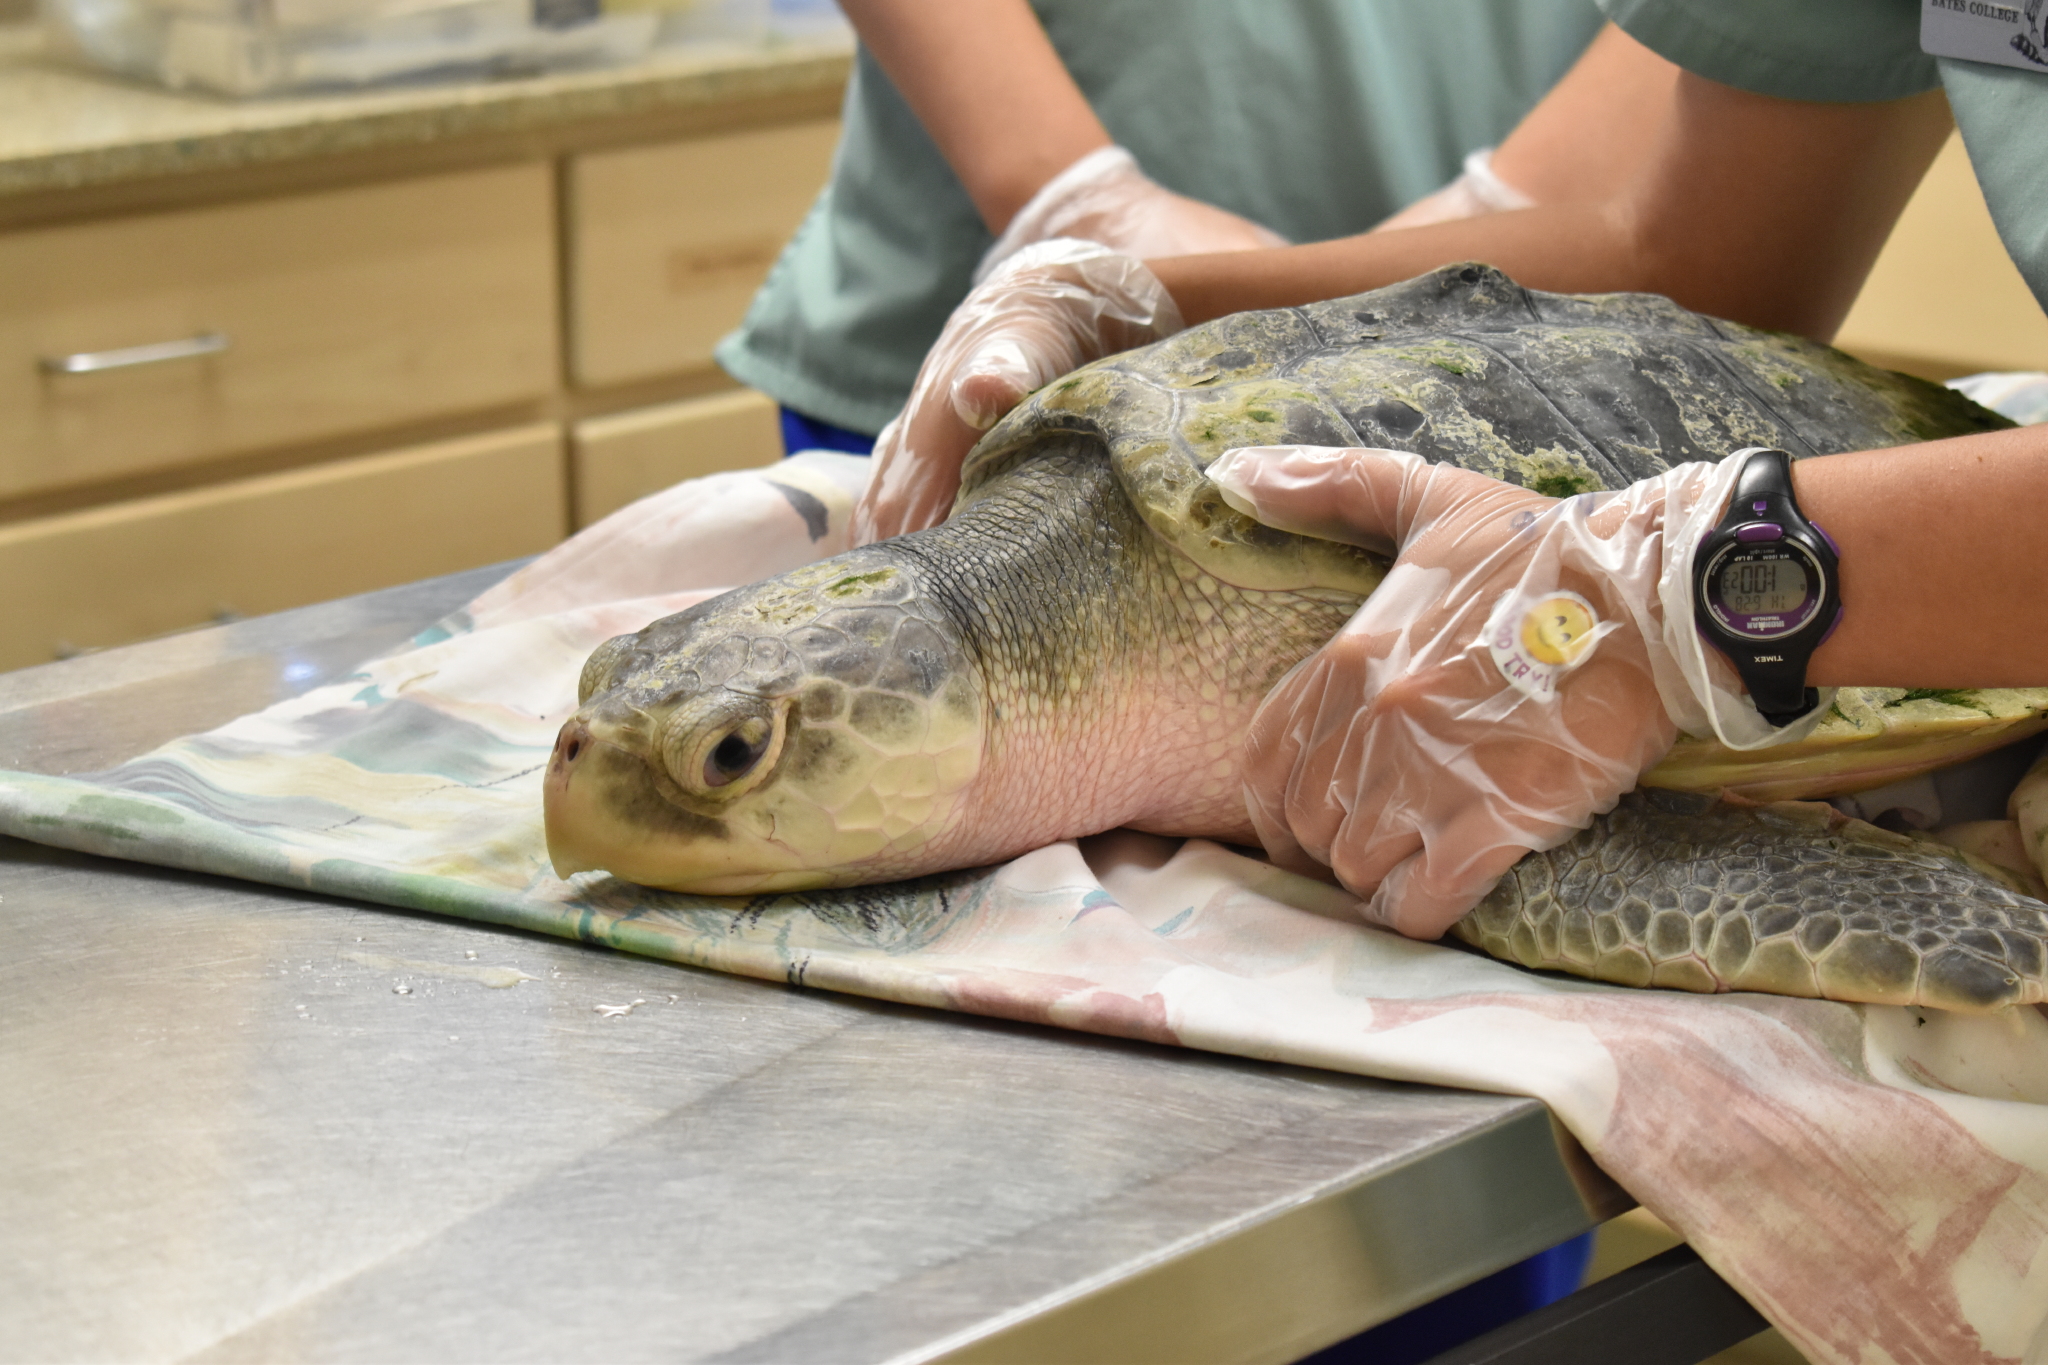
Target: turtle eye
[[734, 756], [720, 748]]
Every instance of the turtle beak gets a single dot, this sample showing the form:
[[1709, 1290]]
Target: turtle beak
[[604, 812], [568, 805], [601, 808]]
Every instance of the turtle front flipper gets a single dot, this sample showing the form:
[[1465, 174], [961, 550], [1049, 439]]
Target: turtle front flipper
[[1790, 898]]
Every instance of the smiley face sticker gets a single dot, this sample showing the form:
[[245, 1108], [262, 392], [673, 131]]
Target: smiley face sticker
[[1536, 639]]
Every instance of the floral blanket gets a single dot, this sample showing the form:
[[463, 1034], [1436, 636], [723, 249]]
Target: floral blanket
[[1874, 1179]]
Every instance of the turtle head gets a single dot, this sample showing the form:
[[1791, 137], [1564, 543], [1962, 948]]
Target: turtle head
[[817, 729]]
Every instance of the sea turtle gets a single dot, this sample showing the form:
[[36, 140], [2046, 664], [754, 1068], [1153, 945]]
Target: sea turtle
[[1082, 645]]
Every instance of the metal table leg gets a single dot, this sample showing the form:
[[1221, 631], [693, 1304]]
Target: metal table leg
[[1669, 1310]]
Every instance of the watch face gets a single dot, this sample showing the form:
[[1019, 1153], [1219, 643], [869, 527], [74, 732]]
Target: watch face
[[1764, 592]]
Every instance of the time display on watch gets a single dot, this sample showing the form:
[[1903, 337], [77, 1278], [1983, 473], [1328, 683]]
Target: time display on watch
[[1760, 587], [1764, 592]]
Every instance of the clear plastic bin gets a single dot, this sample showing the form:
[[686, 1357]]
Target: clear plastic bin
[[758, 23], [261, 47]]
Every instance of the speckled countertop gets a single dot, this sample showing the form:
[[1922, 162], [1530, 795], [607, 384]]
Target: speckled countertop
[[65, 127]]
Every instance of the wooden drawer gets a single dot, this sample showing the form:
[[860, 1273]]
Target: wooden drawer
[[667, 244], [342, 311], [1944, 299], [131, 570], [622, 458]]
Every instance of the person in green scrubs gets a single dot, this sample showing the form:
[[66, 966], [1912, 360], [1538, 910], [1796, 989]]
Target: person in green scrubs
[[974, 128], [1783, 146], [1314, 119]]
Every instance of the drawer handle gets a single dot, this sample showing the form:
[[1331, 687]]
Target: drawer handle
[[90, 362]]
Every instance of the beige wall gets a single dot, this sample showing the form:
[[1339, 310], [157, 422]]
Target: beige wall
[[1944, 299]]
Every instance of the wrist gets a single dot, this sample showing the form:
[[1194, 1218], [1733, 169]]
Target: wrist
[[1011, 188], [1047, 212], [1745, 590], [1766, 587]]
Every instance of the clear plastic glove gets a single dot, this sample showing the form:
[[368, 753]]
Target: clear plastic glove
[[1473, 194], [1523, 662], [1051, 308], [1104, 197]]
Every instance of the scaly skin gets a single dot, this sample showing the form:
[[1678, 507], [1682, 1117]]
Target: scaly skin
[[870, 718], [1043, 667], [1084, 644], [1121, 679], [935, 701], [944, 701], [1790, 898]]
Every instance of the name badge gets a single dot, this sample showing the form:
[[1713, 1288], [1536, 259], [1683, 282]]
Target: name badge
[[1987, 31]]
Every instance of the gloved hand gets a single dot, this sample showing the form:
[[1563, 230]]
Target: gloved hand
[[1524, 660], [1104, 197], [1474, 194], [1049, 309]]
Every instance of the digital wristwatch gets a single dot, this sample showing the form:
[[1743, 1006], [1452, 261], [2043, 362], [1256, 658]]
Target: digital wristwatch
[[1765, 587]]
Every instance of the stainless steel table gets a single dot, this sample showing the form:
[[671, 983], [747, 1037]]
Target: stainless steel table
[[244, 1124]]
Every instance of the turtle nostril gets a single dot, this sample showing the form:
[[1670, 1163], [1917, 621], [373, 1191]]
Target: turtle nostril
[[570, 746]]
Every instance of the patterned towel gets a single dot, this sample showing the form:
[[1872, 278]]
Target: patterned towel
[[2020, 394], [1874, 1179]]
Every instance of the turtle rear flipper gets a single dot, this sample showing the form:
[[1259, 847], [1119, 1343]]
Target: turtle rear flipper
[[1790, 898]]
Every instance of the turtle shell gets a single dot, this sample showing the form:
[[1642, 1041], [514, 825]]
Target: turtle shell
[[1559, 393]]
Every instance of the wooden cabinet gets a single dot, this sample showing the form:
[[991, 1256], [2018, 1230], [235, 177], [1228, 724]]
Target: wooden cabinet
[[332, 312], [668, 243], [624, 457], [145, 566], [248, 365]]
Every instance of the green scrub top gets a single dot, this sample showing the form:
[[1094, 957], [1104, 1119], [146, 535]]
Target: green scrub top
[[1852, 50], [1317, 118]]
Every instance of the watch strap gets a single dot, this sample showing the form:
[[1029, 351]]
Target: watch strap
[[1770, 701], [1766, 473]]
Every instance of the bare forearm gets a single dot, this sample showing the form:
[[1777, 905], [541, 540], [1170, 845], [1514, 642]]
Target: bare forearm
[[1563, 247], [1944, 583], [988, 87], [1595, 131], [1765, 211]]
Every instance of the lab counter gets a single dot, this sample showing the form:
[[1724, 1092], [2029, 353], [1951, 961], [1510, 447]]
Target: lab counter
[[66, 127], [247, 1124], [317, 345]]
